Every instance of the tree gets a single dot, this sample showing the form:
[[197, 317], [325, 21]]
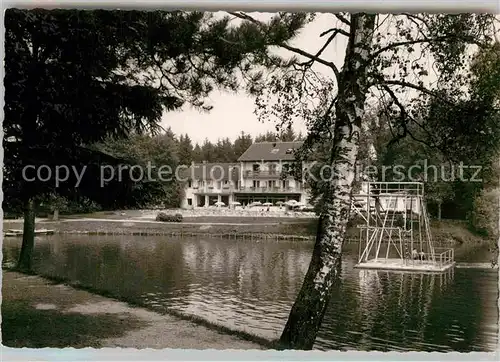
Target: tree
[[408, 152], [197, 153], [218, 152], [266, 137], [385, 61], [154, 154], [242, 143], [208, 151], [485, 221], [287, 135], [76, 77], [225, 151], [57, 203], [185, 152], [485, 210]]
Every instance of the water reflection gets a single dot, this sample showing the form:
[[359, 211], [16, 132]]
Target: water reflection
[[404, 311], [251, 285]]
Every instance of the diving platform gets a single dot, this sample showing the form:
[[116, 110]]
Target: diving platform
[[396, 264], [396, 234]]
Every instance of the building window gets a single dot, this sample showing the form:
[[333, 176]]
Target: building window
[[190, 202], [255, 183], [272, 168], [256, 167], [189, 184]]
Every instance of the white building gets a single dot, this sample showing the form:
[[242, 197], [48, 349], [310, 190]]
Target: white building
[[258, 176], [208, 183]]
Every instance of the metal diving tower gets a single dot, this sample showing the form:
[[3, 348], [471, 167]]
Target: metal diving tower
[[396, 233]]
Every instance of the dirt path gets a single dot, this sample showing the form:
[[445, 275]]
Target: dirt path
[[37, 313]]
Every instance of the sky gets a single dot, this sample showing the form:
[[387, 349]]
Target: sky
[[233, 113]]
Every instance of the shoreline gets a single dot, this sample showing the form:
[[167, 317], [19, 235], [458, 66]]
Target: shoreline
[[448, 233], [444, 233], [130, 227], [199, 326], [243, 229]]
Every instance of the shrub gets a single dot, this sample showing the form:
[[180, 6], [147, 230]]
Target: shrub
[[308, 209], [484, 217], [162, 216]]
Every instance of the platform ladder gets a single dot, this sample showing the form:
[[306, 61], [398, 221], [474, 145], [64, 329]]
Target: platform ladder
[[407, 239]]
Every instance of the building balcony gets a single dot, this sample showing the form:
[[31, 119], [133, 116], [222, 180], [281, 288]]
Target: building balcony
[[262, 174], [276, 190], [225, 189]]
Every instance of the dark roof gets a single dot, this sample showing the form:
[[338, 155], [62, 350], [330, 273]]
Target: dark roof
[[207, 171], [271, 151]]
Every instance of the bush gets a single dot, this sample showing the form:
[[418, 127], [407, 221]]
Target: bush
[[308, 209], [162, 216], [484, 217]]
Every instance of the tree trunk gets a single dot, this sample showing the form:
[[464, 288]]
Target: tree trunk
[[55, 216], [310, 306], [28, 244], [439, 210]]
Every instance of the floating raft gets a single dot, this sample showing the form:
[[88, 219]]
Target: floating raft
[[18, 232], [398, 264]]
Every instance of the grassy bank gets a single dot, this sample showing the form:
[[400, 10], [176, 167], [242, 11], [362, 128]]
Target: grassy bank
[[134, 215], [447, 232], [241, 226], [468, 246]]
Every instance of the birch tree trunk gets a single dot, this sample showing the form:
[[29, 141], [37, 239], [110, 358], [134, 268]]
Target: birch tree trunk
[[55, 215], [309, 308], [28, 244]]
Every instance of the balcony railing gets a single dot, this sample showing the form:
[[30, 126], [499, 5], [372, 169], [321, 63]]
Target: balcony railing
[[226, 189], [262, 174], [213, 189], [271, 189]]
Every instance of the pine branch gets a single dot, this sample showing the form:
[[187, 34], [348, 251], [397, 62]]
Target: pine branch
[[330, 39], [343, 19], [470, 40], [340, 31], [312, 57], [404, 124], [417, 87]]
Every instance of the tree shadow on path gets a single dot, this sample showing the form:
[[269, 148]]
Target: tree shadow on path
[[25, 326]]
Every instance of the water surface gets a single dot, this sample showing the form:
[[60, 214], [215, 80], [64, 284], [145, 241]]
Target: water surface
[[251, 285]]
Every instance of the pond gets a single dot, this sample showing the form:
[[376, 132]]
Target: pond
[[251, 285]]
